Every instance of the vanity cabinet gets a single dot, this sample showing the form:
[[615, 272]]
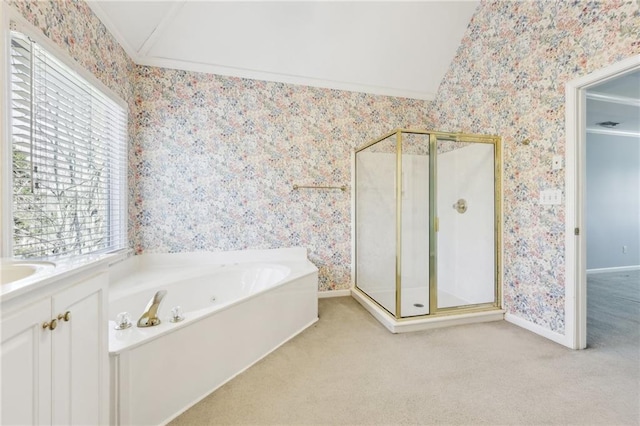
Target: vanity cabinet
[[54, 355], [26, 365]]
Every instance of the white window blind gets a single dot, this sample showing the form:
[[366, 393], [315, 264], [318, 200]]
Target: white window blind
[[69, 159]]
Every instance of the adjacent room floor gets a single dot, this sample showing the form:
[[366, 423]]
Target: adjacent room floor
[[348, 369]]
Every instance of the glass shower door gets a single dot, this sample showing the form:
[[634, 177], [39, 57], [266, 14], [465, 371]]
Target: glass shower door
[[376, 222], [466, 238], [415, 225], [427, 223]]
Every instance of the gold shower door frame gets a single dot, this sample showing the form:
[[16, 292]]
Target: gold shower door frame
[[434, 137]]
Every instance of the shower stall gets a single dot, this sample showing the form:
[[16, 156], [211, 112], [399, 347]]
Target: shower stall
[[427, 228]]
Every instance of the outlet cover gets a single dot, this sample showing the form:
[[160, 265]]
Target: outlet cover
[[556, 162], [551, 197]]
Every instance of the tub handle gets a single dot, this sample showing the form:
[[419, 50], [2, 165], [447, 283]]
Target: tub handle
[[176, 314], [123, 321]]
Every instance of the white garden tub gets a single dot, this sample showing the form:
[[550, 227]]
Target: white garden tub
[[237, 307]]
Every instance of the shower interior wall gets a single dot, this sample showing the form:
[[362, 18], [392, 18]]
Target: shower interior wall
[[466, 254]]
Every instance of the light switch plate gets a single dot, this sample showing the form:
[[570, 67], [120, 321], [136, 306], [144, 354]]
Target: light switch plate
[[550, 197]]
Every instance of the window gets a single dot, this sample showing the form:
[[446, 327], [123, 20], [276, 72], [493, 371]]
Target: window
[[68, 143]]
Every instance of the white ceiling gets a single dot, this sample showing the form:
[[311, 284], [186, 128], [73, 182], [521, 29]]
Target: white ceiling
[[616, 100], [390, 48], [627, 85]]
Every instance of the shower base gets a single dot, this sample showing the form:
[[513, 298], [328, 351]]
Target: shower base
[[406, 325], [415, 301]]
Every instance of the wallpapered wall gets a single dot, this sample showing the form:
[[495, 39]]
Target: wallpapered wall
[[508, 78], [216, 158], [213, 159], [73, 26]]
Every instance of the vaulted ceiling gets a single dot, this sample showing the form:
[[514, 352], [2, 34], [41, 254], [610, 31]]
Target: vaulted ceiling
[[390, 48]]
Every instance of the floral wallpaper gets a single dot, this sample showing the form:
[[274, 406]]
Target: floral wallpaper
[[73, 26], [216, 159], [508, 78], [213, 159]]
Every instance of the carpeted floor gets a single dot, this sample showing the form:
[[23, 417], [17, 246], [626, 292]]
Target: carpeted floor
[[348, 369], [613, 312]]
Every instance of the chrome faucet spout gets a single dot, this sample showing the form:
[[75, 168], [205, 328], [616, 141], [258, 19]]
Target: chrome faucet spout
[[150, 316]]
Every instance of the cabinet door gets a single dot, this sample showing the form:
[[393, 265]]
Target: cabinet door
[[25, 359], [80, 354]]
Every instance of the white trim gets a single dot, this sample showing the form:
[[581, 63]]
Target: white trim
[[108, 23], [6, 232], [603, 97], [575, 247], [595, 271], [334, 293], [535, 328], [8, 15], [612, 132], [284, 78], [167, 18]]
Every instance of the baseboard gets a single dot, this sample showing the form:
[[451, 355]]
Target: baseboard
[[334, 293], [535, 328], [613, 269]]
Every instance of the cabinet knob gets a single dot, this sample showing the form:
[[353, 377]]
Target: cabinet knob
[[51, 325], [66, 316]]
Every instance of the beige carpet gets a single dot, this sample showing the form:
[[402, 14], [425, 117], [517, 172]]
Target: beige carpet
[[348, 369]]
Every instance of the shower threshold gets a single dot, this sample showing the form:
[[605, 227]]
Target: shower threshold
[[407, 325]]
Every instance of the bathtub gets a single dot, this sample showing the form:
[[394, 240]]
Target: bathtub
[[237, 307]]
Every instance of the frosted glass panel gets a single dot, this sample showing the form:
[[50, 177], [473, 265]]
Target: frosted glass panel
[[466, 240], [376, 222], [415, 225]]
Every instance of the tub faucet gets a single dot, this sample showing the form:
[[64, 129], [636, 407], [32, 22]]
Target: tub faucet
[[150, 316]]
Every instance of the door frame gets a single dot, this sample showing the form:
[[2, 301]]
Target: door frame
[[575, 182]]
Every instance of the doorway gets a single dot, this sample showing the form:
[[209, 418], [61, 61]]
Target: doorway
[[576, 225]]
